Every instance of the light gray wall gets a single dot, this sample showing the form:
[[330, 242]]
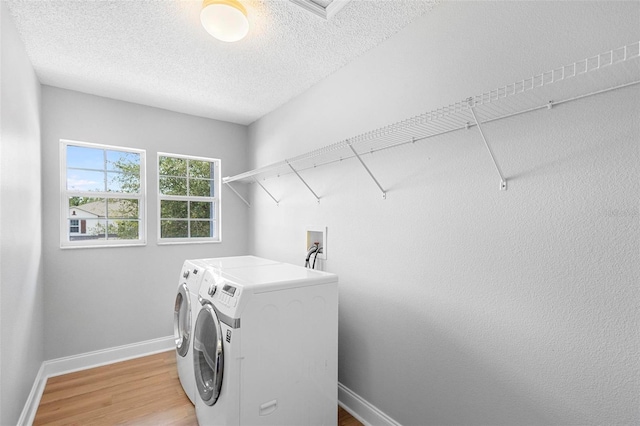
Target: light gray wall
[[459, 303], [21, 277], [104, 297]]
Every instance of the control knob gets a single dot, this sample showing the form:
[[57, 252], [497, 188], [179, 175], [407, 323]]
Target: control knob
[[212, 289], [185, 274]]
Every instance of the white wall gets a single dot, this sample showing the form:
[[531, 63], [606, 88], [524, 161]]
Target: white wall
[[459, 303], [104, 297], [21, 276]]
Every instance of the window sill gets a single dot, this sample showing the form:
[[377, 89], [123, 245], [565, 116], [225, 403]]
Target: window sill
[[92, 246], [172, 243]]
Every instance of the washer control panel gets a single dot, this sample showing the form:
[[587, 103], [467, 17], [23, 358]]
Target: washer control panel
[[191, 275], [228, 295]]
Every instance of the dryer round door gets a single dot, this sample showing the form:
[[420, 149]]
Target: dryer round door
[[208, 355], [182, 320]]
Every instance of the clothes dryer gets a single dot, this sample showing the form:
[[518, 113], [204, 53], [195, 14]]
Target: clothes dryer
[[185, 310], [266, 346], [233, 262]]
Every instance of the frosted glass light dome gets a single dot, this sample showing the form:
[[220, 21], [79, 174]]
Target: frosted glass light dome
[[225, 20]]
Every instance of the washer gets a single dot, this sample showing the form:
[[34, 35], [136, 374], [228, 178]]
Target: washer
[[186, 310], [266, 346], [184, 314]]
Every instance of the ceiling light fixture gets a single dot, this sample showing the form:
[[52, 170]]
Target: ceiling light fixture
[[226, 20]]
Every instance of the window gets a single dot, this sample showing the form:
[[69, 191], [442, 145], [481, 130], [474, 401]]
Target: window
[[102, 195], [188, 199]]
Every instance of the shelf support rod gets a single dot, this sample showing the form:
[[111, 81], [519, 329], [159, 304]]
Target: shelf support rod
[[503, 182], [265, 190], [300, 177], [384, 194], [238, 194]]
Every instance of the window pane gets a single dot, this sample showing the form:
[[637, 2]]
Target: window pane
[[201, 228], [81, 157], [173, 209], [87, 207], [123, 161], [173, 229], [122, 208], [200, 169], [90, 229], [173, 186], [84, 180], [123, 229], [123, 182], [170, 166], [200, 210], [201, 188]]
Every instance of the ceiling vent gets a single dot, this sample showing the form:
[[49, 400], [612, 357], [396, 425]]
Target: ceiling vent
[[323, 8]]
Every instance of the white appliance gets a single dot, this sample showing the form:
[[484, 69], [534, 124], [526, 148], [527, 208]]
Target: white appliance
[[233, 262], [185, 310], [266, 346]]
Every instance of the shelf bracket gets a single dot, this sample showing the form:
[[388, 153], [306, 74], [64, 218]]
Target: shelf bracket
[[265, 190], [238, 194], [384, 194], [300, 177], [503, 182]]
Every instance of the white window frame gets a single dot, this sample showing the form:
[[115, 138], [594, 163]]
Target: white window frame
[[216, 199], [66, 193]]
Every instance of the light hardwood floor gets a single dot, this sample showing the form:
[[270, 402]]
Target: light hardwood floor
[[117, 394]]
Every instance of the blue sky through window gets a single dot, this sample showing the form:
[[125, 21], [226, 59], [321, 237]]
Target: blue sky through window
[[79, 157], [94, 169]]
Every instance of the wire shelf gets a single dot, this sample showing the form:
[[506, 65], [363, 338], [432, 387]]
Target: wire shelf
[[607, 71]]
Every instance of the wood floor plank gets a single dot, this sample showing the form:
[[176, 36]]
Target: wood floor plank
[[118, 394], [112, 371], [105, 380], [346, 419]]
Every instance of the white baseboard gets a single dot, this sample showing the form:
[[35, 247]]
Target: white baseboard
[[33, 400], [361, 409], [59, 366]]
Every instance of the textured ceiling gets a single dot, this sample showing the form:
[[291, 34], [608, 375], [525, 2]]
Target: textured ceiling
[[155, 52]]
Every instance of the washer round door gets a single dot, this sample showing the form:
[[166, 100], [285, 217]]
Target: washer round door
[[208, 355], [182, 320]]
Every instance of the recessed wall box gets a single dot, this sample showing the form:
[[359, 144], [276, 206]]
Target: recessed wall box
[[316, 234]]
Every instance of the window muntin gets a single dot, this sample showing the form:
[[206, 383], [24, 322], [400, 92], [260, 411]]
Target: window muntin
[[102, 195], [188, 199]]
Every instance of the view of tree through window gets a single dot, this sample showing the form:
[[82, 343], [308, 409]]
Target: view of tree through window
[[188, 199], [103, 193]]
